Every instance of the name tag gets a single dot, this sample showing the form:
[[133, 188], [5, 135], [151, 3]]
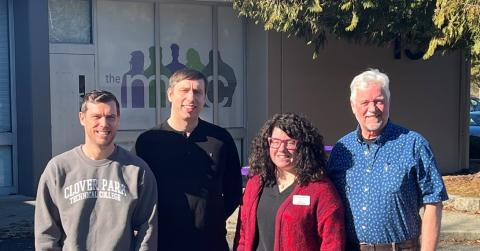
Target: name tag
[[301, 200]]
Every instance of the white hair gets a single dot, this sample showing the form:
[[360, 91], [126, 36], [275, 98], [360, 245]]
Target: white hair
[[367, 78]]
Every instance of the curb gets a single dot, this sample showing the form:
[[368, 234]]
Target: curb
[[460, 226], [459, 236], [468, 204]]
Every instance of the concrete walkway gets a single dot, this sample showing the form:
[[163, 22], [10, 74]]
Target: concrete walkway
[[460, 226], [16, 214]]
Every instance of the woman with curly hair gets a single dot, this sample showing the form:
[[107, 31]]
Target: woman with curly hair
[[288, 203]]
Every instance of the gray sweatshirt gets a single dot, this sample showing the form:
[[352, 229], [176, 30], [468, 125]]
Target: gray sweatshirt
[[85, 204]]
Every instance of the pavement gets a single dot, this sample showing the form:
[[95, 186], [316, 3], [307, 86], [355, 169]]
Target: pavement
[[16, 214]]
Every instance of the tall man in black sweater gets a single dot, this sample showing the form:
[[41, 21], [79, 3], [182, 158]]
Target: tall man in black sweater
[[197, 169]]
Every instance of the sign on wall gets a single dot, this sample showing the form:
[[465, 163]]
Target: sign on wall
[[126, 58], [186, 41], [230, 68]]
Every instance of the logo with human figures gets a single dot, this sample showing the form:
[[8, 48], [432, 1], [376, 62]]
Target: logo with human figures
[[138, 88]]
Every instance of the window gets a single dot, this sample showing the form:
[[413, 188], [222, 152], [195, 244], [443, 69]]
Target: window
[[141, 44], [70, 21], [186, 41], [126, 59], [213, 45], [231, 86]]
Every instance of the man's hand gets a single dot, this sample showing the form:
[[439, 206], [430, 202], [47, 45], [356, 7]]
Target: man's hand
[[431, 221]]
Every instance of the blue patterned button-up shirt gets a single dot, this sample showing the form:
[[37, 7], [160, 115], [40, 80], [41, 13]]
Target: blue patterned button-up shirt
[[384, 184]]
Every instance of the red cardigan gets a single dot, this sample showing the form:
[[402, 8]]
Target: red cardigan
[[317, 226]]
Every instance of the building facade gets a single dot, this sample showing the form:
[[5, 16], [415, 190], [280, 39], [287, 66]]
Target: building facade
[[53, 51]]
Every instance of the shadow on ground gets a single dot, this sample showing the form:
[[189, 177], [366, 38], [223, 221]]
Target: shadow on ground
[[16, 244]]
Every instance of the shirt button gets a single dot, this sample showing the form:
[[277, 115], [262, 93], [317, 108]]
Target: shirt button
[[368, 170], [366, 152], [364, 208], [366, 189], [363, 227]]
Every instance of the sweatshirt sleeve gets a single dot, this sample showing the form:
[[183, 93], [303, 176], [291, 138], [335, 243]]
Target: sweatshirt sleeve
[[145, 216], [232, 183], [48, 227]]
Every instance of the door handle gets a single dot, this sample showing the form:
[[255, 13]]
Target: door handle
[[81, 89]]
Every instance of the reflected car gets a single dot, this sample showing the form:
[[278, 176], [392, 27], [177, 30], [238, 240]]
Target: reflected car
[[475, 123], [474, 135], [474, 104]]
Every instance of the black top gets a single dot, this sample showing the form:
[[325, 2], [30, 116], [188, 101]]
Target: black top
[[199, 184], [268, 204]]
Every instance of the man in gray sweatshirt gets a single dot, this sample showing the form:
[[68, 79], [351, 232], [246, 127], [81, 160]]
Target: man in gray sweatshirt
[[97, 196]]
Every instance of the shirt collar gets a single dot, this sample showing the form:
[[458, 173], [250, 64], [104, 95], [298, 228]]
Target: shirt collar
[[165, 126], [382, 138]]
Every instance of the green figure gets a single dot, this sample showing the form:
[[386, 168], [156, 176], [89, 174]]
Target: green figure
[[150, 71], [193, 60]]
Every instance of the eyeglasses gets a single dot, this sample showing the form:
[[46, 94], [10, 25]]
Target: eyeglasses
[[290, 144]]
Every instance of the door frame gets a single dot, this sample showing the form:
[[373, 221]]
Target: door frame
[[10, 138]]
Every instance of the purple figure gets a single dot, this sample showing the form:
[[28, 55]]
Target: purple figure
[[137, 85], [175, 65], [245, 170]]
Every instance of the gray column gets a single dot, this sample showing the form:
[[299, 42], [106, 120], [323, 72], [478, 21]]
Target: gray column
[[33, 91]]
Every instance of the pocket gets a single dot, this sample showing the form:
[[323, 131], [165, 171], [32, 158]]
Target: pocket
[[393, 176]]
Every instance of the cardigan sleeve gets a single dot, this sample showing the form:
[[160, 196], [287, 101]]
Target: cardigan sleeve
[[331, 224], [239, 241], [245, 232]]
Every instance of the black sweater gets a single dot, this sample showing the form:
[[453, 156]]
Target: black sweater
[[199, 184]]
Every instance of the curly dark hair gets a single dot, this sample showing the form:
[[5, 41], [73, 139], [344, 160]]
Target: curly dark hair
[[309, 161]]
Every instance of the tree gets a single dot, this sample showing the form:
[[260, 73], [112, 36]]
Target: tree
[[475, 75], [426, 25], [459, 24]]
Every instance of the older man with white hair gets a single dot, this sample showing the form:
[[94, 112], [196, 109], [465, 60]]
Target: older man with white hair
[[385, 173]]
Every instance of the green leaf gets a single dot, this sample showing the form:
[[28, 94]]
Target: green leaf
[[440, 24], [353, 23], [346, 6], [368, 4], [316, 7]]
